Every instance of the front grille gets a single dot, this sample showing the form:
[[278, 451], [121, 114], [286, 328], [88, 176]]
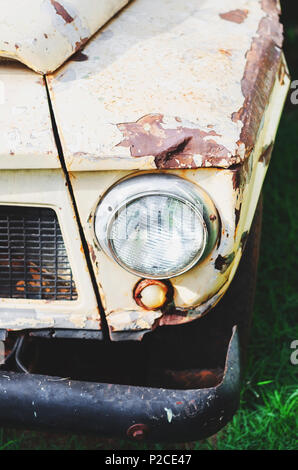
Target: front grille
[[33, 259]]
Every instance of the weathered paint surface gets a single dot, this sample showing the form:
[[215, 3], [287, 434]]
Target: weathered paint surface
[[235, 192], [45, 33], [151, 95], [161, 94], [26, 135]]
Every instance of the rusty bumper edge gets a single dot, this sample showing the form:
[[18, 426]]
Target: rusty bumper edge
[[119, 411]]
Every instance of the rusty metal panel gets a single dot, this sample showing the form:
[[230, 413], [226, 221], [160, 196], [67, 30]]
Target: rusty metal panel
[[235, 193], [26, 135], [186, 89], [45, 33]]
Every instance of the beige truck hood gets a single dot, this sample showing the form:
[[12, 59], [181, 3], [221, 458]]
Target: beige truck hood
[[164, 84], [170, 84]]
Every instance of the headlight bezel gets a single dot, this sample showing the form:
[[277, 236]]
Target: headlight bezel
[[131, 188]]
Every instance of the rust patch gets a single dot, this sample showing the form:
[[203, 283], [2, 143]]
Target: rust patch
[[177, 318], [60, 10], [79, 56], [170, 147], [271, 5], [92, 253], [236, 16], [40, 81], [223, 262], [237, 215], [193, 378], [80, 44], [266, 154], [263, 62], [225, 52]]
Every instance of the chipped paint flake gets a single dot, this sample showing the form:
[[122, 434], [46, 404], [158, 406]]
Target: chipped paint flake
[[236, 16]]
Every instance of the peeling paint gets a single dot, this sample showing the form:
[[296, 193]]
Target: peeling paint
[[60, 10], [236, 16], [148, 136], [265, 156]]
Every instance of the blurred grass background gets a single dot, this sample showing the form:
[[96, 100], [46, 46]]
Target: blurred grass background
[[268, 415]]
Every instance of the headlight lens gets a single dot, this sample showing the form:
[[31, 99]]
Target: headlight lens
[[157, 236], [153, 225]]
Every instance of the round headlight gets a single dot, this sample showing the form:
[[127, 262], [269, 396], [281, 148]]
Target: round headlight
[[154, 225]]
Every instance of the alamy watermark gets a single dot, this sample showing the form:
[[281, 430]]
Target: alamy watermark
[[294, 355], [294, 94]]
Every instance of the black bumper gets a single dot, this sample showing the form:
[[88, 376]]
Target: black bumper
[[119, 411]]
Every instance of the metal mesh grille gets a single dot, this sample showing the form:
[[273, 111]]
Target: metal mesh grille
[[33, 259]]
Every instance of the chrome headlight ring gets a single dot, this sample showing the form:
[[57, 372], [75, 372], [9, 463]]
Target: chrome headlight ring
[[161, 190]]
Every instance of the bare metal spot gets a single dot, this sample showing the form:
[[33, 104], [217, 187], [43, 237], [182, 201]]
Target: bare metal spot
[[236, 16], [60, 10]]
